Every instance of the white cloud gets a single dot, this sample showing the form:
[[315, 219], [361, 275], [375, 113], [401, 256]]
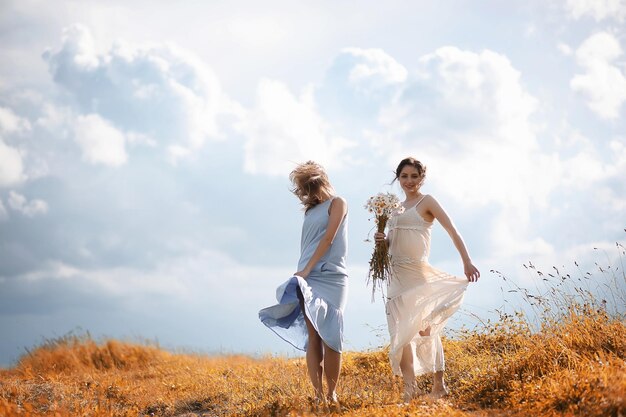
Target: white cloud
[[176, 153], [506, 236], [257, 31], [564, 48], [159, 90], [4, 214], [586, 169], [468, 116], [613, 188], [11, 166], [468, 113], [470, 119], [31, 208], [598, 9], [603, 84], [357, 83], [284, 129], [100, 142], [530, 31], [590, 179], [196, 276], [12, 123], [373, 69], [11, 158], [56, 118]]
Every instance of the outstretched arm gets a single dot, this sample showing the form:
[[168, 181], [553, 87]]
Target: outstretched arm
[[338, 210], [434, 208]]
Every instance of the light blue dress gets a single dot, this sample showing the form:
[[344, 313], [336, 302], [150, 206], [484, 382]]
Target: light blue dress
[[324, 291]]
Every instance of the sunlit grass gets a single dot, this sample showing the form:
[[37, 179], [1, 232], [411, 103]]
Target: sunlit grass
[[563, 356]]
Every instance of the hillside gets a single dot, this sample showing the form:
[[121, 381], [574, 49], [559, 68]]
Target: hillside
[[569, 360], [576, 367]]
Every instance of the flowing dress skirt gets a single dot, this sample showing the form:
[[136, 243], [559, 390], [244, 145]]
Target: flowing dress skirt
[[324, 295], [420, 296]]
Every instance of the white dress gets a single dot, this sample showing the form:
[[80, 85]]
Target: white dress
[[418, 295]]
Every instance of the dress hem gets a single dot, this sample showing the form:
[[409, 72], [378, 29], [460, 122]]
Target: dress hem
[[308, 298]]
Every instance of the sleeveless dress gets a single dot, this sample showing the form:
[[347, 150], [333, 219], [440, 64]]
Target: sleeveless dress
[[418, 295], [324, 291]]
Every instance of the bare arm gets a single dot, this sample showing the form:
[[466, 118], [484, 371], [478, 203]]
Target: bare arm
[[434, 208], [338, 210]]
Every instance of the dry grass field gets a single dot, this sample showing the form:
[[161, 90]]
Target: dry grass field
[[569, 359]]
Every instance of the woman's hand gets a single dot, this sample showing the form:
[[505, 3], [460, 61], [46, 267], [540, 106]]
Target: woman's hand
[[304, 273], [379, 237], [471, 272]]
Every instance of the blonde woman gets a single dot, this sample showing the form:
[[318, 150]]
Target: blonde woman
[[420, 298], [311, 303]]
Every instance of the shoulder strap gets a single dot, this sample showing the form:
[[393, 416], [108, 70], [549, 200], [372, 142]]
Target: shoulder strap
[[418, 203]]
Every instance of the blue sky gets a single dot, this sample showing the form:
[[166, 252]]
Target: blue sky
[[145, 149]]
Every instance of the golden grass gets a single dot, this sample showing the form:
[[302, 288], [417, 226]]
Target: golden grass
[[575, 367], [570, 360]]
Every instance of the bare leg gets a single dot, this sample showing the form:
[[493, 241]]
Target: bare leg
[[314, 354], [439, 386], [408, 373], [314, 357], [332, 368]]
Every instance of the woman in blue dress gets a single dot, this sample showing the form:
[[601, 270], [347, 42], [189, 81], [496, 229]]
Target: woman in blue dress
[[309, 313]]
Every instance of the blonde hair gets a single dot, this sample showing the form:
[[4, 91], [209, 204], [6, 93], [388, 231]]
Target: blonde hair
[[310, 184]]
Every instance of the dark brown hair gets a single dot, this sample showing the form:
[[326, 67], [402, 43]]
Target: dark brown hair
[[310, 184], [421, 169]]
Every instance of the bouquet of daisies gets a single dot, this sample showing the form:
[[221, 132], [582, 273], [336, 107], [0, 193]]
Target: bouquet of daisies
[[382, 206]]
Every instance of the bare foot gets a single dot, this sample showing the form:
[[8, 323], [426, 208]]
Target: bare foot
[[411, 392], [316, 403], [439, 392], [425, 332], [333, 403]]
